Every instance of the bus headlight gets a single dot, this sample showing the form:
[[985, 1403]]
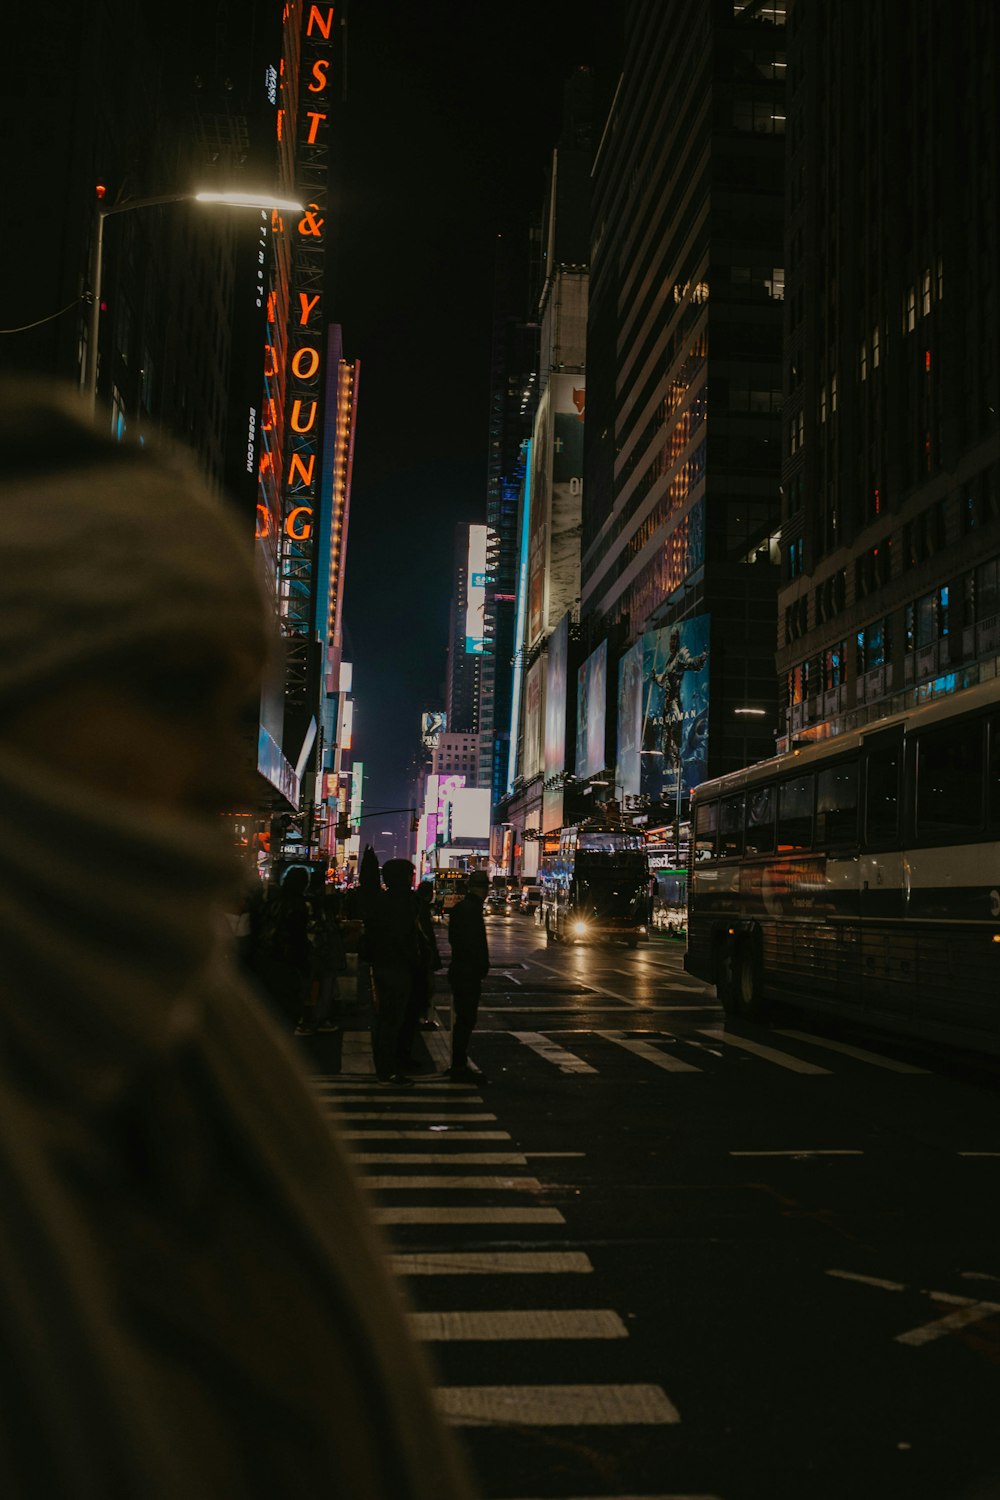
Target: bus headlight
[[579, 929]]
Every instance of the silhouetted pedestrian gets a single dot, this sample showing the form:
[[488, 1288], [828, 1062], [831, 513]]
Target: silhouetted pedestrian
[[391, 946], [469, 966]]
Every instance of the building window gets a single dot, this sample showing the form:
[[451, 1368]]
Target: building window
[[875, 348], [926, 294], [988, 589], [833, 393], [910, 311], [864, 360]]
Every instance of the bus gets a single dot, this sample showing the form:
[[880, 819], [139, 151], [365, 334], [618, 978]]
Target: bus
[[449, 888], [595, 886], [860, 876]]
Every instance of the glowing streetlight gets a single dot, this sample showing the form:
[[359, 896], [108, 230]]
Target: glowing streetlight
[[232, 199]]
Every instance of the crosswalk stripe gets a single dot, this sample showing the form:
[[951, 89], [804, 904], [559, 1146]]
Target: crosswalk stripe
[[783, 1059], [351, 1086], [875, 1058], [440, 1158], [649, 1497], [447, 1183], [345, 1102], [566, 1062], [409, 1115], [423, 1135], [556, 1405], [467, 1216], [648, 1052], [492, 1263], [579, 1323]]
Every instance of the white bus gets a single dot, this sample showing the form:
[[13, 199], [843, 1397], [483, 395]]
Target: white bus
[[860, 876]]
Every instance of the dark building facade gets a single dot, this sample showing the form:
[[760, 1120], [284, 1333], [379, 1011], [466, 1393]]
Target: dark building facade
[[891, 440], [682, 447]]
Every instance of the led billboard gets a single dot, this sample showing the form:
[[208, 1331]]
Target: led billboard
[[433, 724], [591, 711], [555, 698], [532, 762], [476, 591], [663, 711], [557, 488]]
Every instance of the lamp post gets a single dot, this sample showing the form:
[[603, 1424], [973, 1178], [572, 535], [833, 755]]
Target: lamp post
[[229, 199]]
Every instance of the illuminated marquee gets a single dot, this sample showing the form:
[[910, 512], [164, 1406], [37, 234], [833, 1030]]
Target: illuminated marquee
[[306, 335]]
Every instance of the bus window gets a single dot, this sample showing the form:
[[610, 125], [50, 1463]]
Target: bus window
[[837, 805], [795, 814], [706, 822], [731, 827], [882, 790], [760, 820], [950, 781]]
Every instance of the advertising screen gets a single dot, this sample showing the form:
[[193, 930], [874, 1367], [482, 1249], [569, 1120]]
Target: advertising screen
[[531, 752], [663, 711], [591, 706], [476, 599], [557, 487], [555, 699], [433, 724]]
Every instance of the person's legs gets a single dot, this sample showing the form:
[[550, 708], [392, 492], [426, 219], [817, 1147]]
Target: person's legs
[[466, 993], [392, 989]]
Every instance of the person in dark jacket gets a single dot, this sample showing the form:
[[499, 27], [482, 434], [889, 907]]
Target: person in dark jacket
[[470, 964], [391, 945]]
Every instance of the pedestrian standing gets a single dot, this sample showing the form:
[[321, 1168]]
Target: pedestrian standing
[[391, 945], [470, 964]]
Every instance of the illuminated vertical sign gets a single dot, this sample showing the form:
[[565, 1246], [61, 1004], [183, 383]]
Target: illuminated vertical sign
[[476, 591], [357, 781]]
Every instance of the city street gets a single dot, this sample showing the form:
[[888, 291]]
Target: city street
[[651, 1256]]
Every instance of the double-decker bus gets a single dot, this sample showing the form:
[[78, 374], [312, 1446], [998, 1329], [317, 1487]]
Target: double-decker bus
[[860, 876], [596, 886]]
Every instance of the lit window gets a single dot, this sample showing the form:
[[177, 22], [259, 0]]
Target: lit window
[[864, 360], [926, 298], [910, 315], [875, 347], [833, 393]]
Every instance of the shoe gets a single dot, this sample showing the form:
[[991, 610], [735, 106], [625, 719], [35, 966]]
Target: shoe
[[326, 1026], [428, 1024], [395, 1081], [464, 1074], [303, 1029]]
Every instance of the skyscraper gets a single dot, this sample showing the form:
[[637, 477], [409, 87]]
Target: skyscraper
[[891, 476], [681, 467]]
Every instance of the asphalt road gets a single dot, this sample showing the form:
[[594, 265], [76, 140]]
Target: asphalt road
[[655, 1257]]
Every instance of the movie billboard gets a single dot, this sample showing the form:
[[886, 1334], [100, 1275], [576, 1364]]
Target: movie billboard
[[476, 591], [433, 724], [555, 698], [532, 762], [591, 712], [663, 711], [556, 491]]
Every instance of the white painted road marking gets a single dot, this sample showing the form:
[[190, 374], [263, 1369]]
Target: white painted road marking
[[467, 1216], [974, 1312], [424, 1135], [582, 1323], [459, 1184], [385, 1115], [886, 1286], [648, 1052], [556, 1405], [440, 1158], [782, 1059], [566, 1062], [492, 1263], [801, 1151], [875, 1058]]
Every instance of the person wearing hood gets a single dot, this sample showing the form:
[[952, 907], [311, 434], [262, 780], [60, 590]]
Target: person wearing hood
[[392, 946], [193, 1299]]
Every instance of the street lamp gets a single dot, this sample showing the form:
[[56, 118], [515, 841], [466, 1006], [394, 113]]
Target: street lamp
[[230, 199]]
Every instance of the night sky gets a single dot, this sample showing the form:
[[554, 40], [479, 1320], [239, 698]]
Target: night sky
[[452, 112]]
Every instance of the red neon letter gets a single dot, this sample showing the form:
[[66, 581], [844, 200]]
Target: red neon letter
[[310, 421], [314, 127], [270, 363], [304, 532], [321, 67], [305, 473], [263, 522], [305, 356], [269, 414], [314, 15], [307, 304]]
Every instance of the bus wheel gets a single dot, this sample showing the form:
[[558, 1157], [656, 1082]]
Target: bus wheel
[[725, 977], [749, 1002]]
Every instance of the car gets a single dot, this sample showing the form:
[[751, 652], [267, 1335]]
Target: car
[[531, 901], [497, 904]]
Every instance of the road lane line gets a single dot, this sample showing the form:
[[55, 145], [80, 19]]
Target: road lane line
[[556, 1405], [770, 1054], [351, 1086], [440, 1158], [467, 1216], [462, 1135], [447, 1183], [566, 1062], [648, 1052], [345, 1102], [886, 1286], [532, 1154], [492, 1263], [875, 1058], [462, 1327], [386, 1115], [962, 1317], [979, 1153]]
